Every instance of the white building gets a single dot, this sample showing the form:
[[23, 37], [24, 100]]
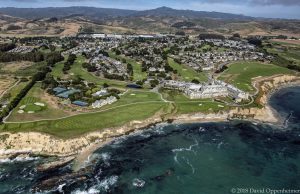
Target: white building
[[100, 103], [216, 89]]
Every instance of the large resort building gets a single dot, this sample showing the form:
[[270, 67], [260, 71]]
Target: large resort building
[[215, 88]]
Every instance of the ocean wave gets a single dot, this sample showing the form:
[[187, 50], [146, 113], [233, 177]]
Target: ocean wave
[[90, 191], [189, 164], [190, 148], [105, 184], [60, 188], [105, 157], [220, 144], [201, 129], [138, 182], [18, 159]]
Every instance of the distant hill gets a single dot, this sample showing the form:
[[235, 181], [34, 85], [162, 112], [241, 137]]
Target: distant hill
[[100, 13], [60, 12], [71, 20], [166, 11]]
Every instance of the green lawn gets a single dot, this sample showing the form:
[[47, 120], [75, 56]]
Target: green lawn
[[133, 97], [291, 54], [78, 70], [240, 74], [200, 106], [137, 68], [35, 95], [16, 90], [80, 124], [57, 70], [186, 73], [185, 105]]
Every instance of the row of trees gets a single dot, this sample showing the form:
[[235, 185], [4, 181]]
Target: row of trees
[[51, 59], [114, 76], [7, 47], [89, 67], [129, 69], [211, 36], [39, 76], [31, 56], [70, 61]]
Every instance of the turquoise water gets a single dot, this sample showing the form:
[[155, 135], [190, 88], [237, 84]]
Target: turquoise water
[[208, 158]]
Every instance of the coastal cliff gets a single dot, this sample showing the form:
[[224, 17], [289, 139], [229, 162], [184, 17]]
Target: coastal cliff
[[265, 86], [44, 144], [12, 144]]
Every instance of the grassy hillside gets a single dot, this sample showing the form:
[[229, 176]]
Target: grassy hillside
[[186, 73], [240, 74]]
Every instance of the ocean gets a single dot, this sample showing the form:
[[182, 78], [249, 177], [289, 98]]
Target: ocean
[[198, 158]]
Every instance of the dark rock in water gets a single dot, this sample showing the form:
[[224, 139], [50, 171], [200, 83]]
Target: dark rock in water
[[54, 182], [170, 120], [54, 165], [169, 172], [158, 178]]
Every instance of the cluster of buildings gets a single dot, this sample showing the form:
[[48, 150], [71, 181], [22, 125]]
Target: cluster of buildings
[[91, 48], [215, 88], [233, 44], [107, 65], [102, 102], [65, 93], [120, 36], [22, 49], [211, 60]]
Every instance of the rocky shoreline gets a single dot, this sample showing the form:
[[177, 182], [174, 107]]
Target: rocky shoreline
[[24, 144]]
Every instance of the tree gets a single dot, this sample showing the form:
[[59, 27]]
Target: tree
[[118, 52], [255, 41], [236, 35], [129, 69], [105, 85], [195, 81], [211, 36], [180, 33], [154, 83]]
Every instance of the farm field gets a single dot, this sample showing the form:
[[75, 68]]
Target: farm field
[[30, 70], [240, 74], [6, 81], [12, 67], [286, 42], [186, 73], [80, 124], [36, 94]]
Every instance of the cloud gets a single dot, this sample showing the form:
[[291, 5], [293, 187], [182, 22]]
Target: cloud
[[276, 2], [229, 2], [256, 2]]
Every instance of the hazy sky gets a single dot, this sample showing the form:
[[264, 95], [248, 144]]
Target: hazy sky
[[257, 8]]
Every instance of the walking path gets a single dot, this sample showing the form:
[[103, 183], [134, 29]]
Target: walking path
[[3, 93]]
